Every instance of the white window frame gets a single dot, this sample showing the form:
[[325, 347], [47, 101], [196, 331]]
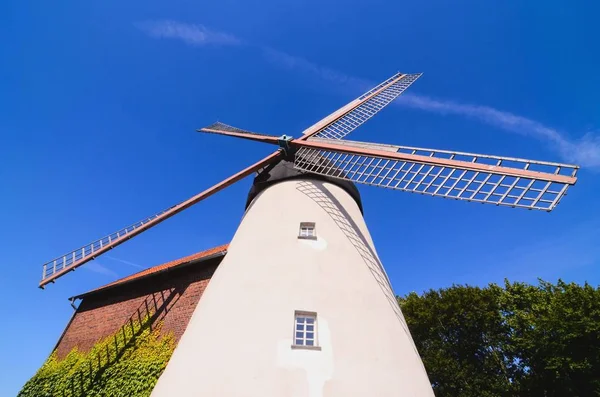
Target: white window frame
[[305, 324], [307, 231]]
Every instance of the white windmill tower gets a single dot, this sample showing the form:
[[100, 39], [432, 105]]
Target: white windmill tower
[[301, 305]]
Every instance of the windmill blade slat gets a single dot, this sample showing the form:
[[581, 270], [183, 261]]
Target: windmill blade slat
[[224, 129], [478, 178], [345, 120], [60, 266], [357, 144]]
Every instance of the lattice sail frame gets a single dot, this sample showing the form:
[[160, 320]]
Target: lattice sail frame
[[219, 127], [448, 181], [66, 261], [353, 119]]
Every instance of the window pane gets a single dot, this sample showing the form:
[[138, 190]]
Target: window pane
[[307, 230], [305, 328]]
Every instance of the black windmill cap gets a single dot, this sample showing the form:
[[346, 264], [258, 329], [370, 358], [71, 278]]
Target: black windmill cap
[[284, 170]]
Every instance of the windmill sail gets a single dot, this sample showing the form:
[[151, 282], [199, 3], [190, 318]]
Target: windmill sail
[[65, 263], [348, 118], [463, 176], [341, 122], [72, 260], [224, 129]]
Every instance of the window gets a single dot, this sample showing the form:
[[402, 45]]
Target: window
[[305, 330], [307, 230]]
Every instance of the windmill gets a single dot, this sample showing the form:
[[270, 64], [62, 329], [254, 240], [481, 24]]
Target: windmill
[[301, 304]]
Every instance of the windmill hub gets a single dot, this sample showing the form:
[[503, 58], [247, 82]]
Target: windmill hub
[[284, 144]]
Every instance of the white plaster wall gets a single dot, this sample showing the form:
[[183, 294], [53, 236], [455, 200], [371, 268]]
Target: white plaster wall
[[238, 341]]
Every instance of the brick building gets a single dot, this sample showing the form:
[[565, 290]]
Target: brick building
[[170, 292]]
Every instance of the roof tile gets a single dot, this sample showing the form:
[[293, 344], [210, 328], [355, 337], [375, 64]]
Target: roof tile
[[159, 268]]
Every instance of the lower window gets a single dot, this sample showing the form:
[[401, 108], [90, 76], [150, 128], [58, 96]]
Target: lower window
[[305, 330]]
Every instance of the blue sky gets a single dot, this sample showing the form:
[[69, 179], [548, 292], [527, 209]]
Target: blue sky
[[100, 102]]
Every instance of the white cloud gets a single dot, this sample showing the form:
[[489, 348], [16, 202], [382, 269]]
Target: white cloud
[[124, 261], [97, 267], [585, 151], [193, 34], [292, 62]]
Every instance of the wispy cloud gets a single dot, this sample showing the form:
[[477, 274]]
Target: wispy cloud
[[193, 34], [299, 64], [584, 151], [124, 261], [99, 268]]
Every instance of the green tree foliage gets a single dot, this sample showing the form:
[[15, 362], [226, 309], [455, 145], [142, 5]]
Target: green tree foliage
[[516, 340], [127, 363]]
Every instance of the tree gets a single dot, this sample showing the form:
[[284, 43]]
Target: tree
[[555, 333], [520, 340], [459, 333]]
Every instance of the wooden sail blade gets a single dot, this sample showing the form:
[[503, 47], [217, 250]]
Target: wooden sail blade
[[348, 118], [224, 129], [462, 176], [60, 266]]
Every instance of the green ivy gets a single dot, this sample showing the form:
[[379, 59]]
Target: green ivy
[[127, 363]]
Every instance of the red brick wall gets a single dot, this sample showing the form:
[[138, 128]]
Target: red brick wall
[[172, 296]]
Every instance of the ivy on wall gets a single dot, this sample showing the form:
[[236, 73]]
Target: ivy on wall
[[127, 363]]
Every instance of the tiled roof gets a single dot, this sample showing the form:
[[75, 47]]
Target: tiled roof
[[222, 249]]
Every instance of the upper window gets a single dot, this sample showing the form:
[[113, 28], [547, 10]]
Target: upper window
[[307, 230], [305, 329]]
